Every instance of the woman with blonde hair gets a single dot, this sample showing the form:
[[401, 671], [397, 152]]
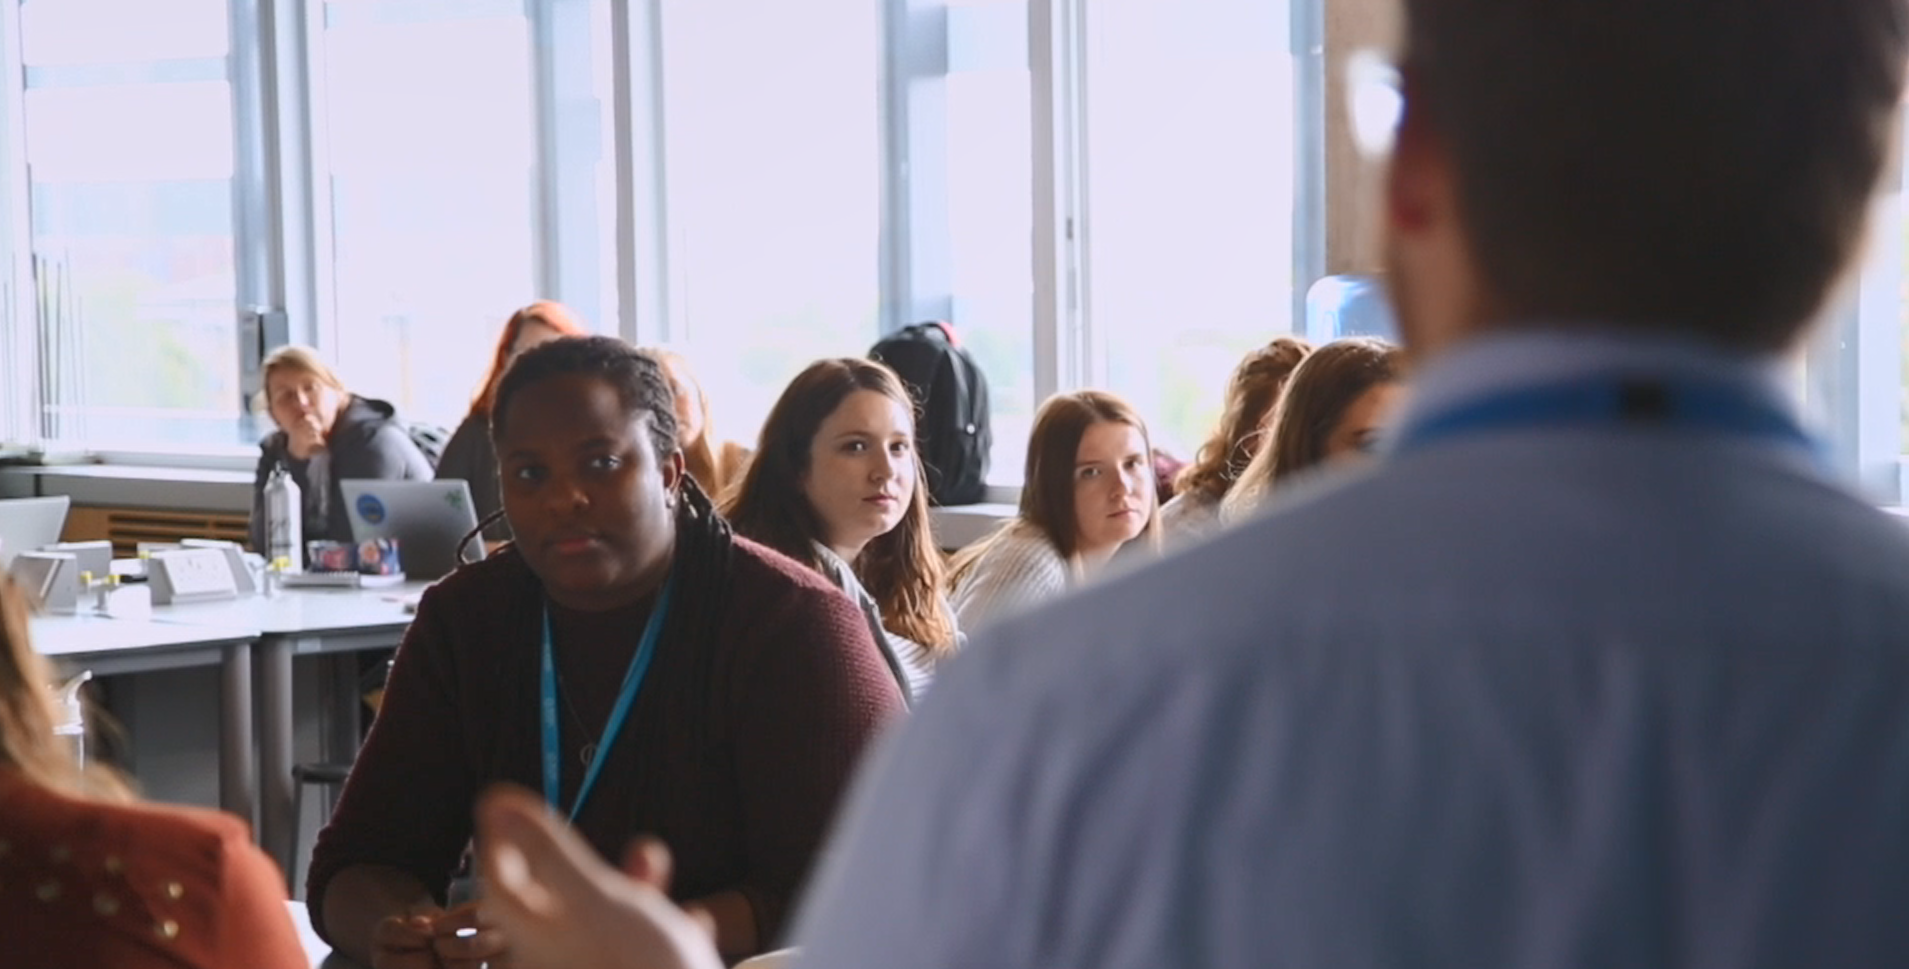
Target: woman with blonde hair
[[89, 877], [326, 434], [468, 455], [1333, 409], [837, 485], [715, 464], [1251, 394], [1088, 492]]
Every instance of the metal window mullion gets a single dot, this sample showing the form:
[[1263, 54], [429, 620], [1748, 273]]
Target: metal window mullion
[[917, 244], [893, 114], [1060, 338], [567, 143], [258, 250], [1308, 44], [546, 204], [303, 171], [19, 340], [644, 304]]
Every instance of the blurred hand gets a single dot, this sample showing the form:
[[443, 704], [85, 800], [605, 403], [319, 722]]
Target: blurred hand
[[464, 941], [404, 942], [562, 908], [304, 437]]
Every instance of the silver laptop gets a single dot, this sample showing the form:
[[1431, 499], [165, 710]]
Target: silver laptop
[[28, 523], [428, 518]]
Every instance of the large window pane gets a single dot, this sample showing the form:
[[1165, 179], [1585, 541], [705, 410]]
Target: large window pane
[[774, 184], [129, 149], [991, 211], [429, 172], [1190, 167]]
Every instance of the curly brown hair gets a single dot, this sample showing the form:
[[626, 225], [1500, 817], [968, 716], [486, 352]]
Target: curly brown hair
[[1250, 395]]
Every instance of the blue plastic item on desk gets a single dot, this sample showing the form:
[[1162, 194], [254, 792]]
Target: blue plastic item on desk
[[1349, 305]]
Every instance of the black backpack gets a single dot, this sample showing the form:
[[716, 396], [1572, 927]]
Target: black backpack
[[951, 394], [429, 438]]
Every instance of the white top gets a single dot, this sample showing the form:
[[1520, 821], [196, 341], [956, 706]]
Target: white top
[[1018, 570], [911, 662], [1191, 515], [1547, 697]]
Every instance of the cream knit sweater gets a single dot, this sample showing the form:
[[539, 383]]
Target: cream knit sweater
[[1018, 570]]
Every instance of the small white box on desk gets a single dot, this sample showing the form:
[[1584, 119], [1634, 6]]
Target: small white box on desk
[[192, 575], [234, 557], [93, 557], [52, 579]]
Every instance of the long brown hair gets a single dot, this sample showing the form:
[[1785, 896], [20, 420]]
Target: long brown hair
[[545, 312], [902, 569], [28, 713], [1322, 388], [1250, 395], [711, 468], [1047, 488]]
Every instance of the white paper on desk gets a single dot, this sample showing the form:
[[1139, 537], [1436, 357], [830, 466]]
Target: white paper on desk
[[130, 602]]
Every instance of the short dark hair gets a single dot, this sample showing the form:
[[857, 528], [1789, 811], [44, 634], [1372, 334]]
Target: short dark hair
[[1693, 166], [638, 378]]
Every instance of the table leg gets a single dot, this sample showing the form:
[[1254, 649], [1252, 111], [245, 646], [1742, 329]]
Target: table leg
[[277, 826], [238, 782], [341, 709]]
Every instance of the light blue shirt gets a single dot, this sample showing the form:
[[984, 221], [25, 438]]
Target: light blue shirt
[[1585, 696]]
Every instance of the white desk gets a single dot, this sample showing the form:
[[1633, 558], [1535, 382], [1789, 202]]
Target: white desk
[[296, 621], [110, 647]]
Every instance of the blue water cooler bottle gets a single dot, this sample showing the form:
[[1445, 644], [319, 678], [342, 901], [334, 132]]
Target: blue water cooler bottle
[[1349, 305]]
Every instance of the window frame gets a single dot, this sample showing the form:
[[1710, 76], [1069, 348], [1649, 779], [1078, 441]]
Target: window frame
[[283, 234]]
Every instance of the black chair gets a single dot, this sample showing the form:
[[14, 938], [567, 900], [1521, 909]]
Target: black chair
[[330, 774]]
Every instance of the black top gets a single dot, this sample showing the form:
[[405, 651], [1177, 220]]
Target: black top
[[367, 441], [470, 457]]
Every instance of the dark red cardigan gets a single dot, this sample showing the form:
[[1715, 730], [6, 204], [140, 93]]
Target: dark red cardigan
[[735, 751]]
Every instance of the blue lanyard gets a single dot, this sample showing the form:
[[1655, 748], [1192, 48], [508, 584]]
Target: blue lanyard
[[632, 684], [1637, 401]]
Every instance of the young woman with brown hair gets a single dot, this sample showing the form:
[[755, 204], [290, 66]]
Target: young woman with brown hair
[[468, 455], [1088, 491], [836, 485], [1331, 412], [1250, 396]]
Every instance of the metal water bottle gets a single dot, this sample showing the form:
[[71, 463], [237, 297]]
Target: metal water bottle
[[284, 520]]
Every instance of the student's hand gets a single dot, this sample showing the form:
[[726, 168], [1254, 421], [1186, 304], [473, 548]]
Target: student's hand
[[404, 942], [464, 941], [561, 907], [304, 438]]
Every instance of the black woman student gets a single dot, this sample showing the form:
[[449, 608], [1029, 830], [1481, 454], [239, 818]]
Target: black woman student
[[629, 657]]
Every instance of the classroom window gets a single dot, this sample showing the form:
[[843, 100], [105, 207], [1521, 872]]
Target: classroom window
[[128, 153], [773, 170], [1190, 189], [990, 212], [427, 172]]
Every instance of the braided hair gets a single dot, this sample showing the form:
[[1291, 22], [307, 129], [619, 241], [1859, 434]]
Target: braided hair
[[704, 542]]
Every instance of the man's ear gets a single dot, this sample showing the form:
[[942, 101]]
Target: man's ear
[[1420, 195]]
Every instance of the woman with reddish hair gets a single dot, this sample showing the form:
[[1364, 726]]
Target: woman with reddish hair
[[468, 455]]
